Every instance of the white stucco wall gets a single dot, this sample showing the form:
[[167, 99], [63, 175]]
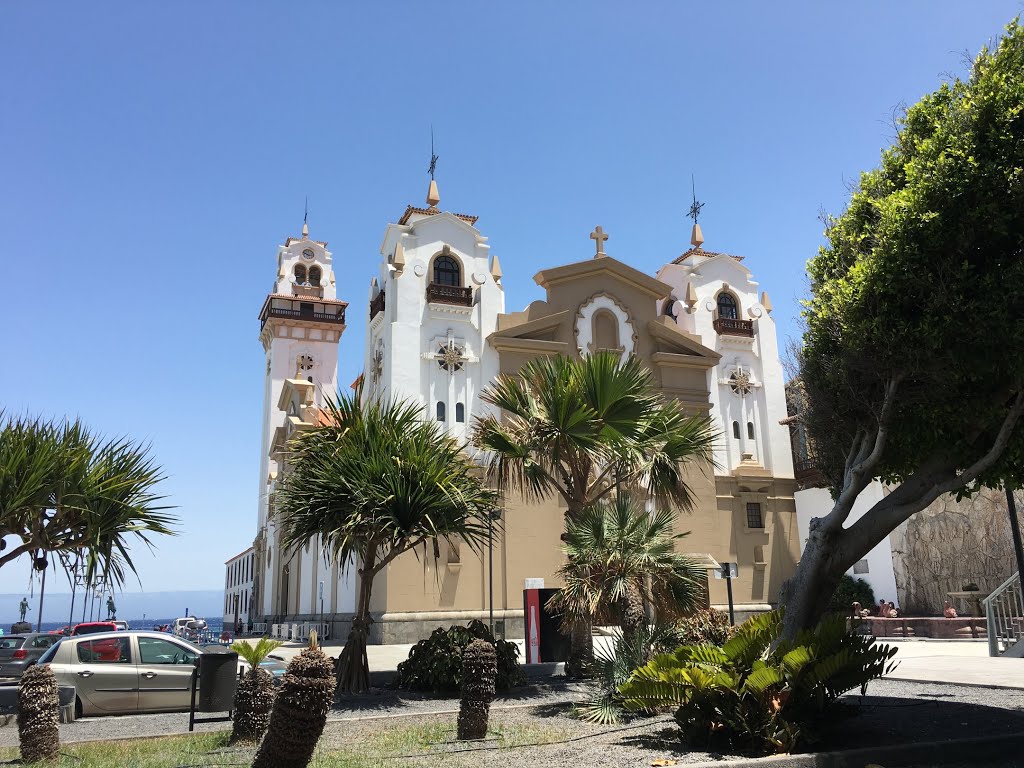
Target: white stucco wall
[[817, 502], [765, 405]]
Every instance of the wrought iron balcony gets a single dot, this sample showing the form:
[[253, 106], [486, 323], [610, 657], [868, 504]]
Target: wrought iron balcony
[[728, 327], [450, 294], [304, 313], [377, 305]]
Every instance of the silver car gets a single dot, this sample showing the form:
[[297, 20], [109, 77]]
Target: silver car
[[122, 672]]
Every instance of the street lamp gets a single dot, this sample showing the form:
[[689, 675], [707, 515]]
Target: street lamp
[[492, 515]]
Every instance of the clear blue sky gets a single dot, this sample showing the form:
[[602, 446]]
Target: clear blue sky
[[153, 156]]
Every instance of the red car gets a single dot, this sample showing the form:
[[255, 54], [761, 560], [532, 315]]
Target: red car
[[92, 627]]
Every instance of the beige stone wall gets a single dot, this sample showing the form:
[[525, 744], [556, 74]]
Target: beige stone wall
[[950, 544]]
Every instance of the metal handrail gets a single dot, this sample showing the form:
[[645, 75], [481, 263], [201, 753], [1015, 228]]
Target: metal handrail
[[1004, 615]]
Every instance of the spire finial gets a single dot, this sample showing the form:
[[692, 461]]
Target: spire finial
[[433, 197], [305, 221], [696, 236]]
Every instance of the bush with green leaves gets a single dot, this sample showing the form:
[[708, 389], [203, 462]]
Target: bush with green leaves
[[750, 696], [612, 665], [704, 626], [850, 591], [435, 664]]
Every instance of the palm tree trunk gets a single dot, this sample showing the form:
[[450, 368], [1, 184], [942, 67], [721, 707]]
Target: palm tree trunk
[[631, 613], [354, 666], [581, 648]]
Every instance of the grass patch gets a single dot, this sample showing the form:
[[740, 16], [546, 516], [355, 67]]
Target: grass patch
[[175, 751], [434, 739]]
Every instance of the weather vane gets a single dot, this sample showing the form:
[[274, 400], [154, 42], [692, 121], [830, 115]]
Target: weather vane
[[433, 157], [695, 208]]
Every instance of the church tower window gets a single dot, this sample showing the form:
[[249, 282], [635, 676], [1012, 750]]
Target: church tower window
[[314, 276], [750, 430], [727, 307], [440, 411], [447, 272], [736, 430], [460, 413], [300, 274]]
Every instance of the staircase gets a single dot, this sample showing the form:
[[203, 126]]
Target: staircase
[[1004, 611]]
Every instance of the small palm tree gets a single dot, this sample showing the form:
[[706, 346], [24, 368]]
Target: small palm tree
[[374, 481], [254, 697], [580, 428], [619, 557]]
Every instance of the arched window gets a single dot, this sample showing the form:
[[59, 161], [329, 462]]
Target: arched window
[[727, 308], [440, 411], [606, 330], [300, 274], [750, 430], [314, 276], [447, 272], [460, 412], [736, 430]]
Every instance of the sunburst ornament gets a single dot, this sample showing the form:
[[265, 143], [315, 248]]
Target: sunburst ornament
[[451, 357], [377, 370], [740, 382]]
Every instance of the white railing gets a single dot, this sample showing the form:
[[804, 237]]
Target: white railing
[[1004, 612], [259, 628]]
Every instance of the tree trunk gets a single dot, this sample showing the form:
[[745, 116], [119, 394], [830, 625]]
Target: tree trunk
[[806, 595], [581, 648], [353, 665], [631, 613]]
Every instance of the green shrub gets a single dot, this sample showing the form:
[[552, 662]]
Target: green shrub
[[612, 666], [851, 590], [704, 626], [435, 664], [748, 696]]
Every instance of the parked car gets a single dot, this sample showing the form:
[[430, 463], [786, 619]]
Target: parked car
[[92, 627], [122, 625], [19, 652], [123, 672]]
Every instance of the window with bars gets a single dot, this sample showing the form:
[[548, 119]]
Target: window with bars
[[754, 517], [440, 411], [447, 272], [727, 307]]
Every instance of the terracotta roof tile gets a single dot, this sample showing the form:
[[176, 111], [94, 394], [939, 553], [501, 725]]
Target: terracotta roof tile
[[698, 251], [412, 209]]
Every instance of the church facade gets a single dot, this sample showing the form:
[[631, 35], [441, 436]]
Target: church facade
[[438, 333]]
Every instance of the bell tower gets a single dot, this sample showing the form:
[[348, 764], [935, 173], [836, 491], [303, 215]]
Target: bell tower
[[301, 323], [434, 302]]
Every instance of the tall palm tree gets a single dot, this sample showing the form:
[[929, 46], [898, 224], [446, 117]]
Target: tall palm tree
[[64, 489], [579, 428], [619, 557], [374, 481]]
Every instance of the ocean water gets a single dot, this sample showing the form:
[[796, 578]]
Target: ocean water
[[214, 623]]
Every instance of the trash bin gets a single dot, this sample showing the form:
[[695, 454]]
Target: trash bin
[[218, 679]]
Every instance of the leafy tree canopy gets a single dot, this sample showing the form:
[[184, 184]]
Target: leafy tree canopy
[[915, 325]]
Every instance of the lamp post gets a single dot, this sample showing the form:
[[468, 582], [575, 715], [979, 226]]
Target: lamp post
[[1011, 508], [492, 515]]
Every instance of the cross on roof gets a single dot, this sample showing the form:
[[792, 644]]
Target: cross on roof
[[599, 237]]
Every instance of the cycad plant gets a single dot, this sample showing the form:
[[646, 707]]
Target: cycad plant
[[374, 481], [580, 428], [619, 556], [38, 713], [300, 710], [254, 696], [752, 696]]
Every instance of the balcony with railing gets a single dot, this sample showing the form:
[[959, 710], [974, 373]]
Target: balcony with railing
[[727, 326], [376, 305], [335, 314], [450, 294]]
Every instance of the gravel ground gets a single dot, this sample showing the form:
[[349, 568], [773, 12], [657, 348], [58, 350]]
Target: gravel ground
[[538, 721]]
